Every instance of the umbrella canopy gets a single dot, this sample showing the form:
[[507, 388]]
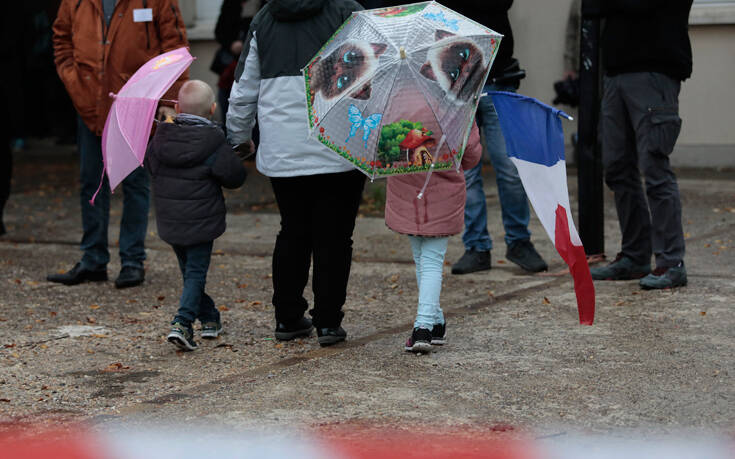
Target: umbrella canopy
[[130, 119], [395, 90]]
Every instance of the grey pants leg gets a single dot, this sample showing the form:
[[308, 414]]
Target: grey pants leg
[[640, 125]]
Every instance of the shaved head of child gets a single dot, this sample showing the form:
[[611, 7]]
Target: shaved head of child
[[196, 98]]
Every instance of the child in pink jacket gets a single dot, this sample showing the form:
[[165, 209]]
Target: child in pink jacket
[[428, 222]]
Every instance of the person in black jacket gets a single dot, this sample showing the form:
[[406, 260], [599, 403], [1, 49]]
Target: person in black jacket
[[646, 55], [190, 161]]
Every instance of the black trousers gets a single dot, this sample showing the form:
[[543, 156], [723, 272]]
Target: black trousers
[[640, 124], [317, 220]]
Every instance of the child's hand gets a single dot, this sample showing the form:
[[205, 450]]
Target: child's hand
[[245, 149], [166, 114]]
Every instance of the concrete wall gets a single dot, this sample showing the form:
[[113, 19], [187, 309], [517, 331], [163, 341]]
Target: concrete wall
[[707, 99]]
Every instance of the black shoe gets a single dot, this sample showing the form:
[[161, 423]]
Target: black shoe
[[287, 332], [420, 341], [77, 275], [130, 276], [329, 336], [182, 336], [439, 334], [525, 255], [472, 261], [2, 228]]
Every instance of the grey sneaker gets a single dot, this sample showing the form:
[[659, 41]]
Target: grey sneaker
[[211, 330], [472, 261], [182, 337], [622, 268], [675, 276], [524, 254]]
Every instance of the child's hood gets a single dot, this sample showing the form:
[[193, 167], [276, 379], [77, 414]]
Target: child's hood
[[186, 142]]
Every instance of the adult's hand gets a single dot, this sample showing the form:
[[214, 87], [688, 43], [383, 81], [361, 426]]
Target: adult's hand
[[236, 47], [245, 149]]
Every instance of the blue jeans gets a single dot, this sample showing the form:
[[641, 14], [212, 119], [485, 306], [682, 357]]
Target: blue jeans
[[95, 219], [513, 201], [428, 254], [194, 264]]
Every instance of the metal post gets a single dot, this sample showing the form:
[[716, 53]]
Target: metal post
[[589, 168]]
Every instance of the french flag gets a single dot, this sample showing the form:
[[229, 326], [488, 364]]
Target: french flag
[[535, 142]]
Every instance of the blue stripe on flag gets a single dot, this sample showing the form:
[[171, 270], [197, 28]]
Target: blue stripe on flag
[[532, 129]]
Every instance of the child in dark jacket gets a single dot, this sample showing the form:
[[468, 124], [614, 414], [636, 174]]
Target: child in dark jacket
[[190, 161]]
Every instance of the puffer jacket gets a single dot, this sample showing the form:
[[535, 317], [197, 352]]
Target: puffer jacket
[[93, 59], [440, 211], [283, 37], [190, 161]]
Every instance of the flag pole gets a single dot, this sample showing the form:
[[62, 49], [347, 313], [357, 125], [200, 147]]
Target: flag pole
[[589, 167]]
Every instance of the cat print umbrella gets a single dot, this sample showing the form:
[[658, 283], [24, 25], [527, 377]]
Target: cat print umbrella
[[395, 90]]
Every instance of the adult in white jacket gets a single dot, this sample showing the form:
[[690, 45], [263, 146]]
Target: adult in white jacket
[[318, 193]]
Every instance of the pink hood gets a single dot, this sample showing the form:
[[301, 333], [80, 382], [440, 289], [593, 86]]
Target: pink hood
[[440, 212]]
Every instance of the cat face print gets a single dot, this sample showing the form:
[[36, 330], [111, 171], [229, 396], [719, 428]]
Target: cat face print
[[456, 64], [344, 70]]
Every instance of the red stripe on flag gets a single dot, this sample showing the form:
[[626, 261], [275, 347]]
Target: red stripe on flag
[[575, 257]]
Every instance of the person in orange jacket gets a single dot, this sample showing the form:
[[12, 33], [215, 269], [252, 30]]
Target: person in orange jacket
[[98, 45]]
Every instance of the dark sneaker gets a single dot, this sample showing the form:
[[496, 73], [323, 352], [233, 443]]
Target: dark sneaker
[[439, 334], [524, 254], [287, 332], [329, 336], [182, 337], [211, 330], [675, 276], [621, 268], [130, 276], [472, 261], [77, 275], [420, 341]]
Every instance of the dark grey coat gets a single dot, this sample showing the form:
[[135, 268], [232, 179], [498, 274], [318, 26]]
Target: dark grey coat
[[190, 161]]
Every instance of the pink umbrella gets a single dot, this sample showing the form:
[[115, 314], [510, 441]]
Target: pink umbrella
[[130, 120]]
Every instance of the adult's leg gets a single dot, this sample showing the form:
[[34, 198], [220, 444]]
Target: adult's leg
[[292, 253], [95, 218], [620, 160], [513, 201], [475, 236], [195, 261], [134, 222], [429, 254], [336, 201], [653, 103]]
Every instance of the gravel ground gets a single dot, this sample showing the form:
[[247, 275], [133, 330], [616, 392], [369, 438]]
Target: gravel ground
[[516, 361]]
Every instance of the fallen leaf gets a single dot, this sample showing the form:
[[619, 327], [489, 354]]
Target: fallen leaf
[[546, 301], [11, 345], [94, 306], [242, 285], [5, 400], [43, 346], [161, 298], [51, 313], [97, 335], [91, 320], [15, 354], [394, 278], [703, 313], [490, 293], [239, 301], [131, 301], [31, 282], [44, 387], [620, 303], [17, 281], [708, 245], [255, 303], [3, 319], [223, 308], [394, 286], [501, 262], [117, 366]]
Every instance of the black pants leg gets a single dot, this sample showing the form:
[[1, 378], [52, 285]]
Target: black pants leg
[[333, 222], [317, 217], [292, 253]]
